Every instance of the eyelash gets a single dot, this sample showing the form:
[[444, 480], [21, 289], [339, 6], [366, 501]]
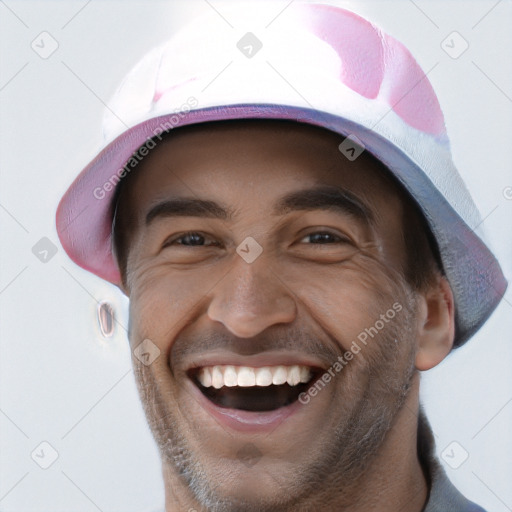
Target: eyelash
[[183, 235], [341, 239]]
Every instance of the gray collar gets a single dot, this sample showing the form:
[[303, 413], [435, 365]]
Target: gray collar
[[443, 495]]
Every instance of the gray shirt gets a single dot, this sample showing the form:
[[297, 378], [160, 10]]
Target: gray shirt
[[443, 496]]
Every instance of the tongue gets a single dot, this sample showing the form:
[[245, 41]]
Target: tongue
[[256, 398]]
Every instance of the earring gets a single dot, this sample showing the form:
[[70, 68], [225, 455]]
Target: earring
[[106, 319]]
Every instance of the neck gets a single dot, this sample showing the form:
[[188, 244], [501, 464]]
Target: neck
[[394, 482]]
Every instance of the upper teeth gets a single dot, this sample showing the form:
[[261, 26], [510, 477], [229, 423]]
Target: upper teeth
[[245, 376]]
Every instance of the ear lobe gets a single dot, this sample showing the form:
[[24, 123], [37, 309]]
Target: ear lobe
[[436, 325]]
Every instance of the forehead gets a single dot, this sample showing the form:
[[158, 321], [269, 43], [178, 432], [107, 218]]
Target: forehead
[[256, 160]]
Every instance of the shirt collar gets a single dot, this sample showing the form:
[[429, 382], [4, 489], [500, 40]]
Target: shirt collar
[[442, 494]]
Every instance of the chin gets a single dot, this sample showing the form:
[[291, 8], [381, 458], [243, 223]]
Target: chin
[[249, 490]]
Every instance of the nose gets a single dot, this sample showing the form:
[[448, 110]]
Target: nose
[[251, 298]]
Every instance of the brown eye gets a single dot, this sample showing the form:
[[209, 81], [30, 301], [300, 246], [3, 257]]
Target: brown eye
[[190, 239], [324, 237]]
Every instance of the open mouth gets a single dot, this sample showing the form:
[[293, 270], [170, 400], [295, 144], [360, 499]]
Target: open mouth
[[253, 389]]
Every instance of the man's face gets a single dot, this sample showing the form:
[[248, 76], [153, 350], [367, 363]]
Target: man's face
[[330, 269]]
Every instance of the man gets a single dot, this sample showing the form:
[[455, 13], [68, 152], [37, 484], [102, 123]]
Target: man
[[296, 246]]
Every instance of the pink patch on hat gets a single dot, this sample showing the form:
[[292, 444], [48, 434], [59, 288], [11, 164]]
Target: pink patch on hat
[[162, 92], [409, 91], [357, 43], [373, 64]]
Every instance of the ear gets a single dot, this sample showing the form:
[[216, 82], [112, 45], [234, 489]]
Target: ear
[[436, 324]]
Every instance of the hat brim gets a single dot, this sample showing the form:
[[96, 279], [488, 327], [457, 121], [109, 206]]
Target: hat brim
[[84, 215]]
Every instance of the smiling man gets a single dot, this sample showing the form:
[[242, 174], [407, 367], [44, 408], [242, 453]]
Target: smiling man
[[240, 340], [290, 269]]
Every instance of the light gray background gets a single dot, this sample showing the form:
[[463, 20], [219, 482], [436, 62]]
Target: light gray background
[[62, 382]]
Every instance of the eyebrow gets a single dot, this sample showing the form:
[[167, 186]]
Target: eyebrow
[[325, 197]]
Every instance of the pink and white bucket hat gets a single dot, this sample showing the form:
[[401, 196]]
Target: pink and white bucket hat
[[315, 64]]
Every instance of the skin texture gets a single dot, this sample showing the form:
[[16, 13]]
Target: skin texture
[[353, 446]]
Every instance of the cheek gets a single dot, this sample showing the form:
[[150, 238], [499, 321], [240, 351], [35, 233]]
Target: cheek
[[346, 299], [163, 301]]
